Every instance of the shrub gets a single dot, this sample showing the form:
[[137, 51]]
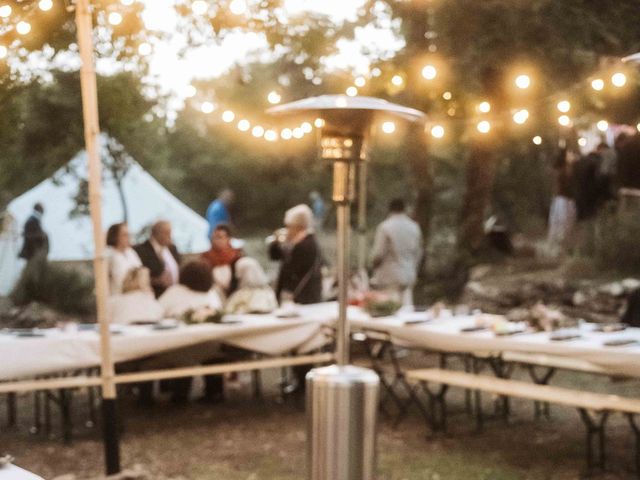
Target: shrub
[[616, 241], [57, 286]]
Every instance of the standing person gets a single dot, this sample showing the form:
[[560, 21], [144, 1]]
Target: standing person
[[397, 252], [161, 257], [121, 257], [36, 240], [562, 214], [318, 208], [218, 210], [300, 278]]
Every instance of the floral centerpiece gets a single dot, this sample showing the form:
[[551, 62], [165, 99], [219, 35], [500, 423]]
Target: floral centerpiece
[[380, 303], [202, 315]]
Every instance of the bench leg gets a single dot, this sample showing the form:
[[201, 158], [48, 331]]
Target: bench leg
[[437, 415], [636, 431], [595, 430], [12, 408], [37, 424], [541, 408], [65, 413]]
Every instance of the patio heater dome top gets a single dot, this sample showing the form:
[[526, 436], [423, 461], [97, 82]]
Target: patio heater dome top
[[348, 114]]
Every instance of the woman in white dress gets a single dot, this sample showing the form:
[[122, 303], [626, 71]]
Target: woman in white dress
[[121, 257], [136, 303]]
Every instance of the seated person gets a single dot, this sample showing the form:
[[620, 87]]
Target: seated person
[[254, 295], [121, 256], [194, 291], [221, 257], [136, 302], [161, 257]]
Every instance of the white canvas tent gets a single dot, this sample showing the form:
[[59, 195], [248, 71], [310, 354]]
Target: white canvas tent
[[71, 237]]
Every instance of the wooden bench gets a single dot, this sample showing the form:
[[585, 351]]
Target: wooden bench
[[594, 408]]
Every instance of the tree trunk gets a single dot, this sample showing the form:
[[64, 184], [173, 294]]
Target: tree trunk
[[481, 172], [422, 178]]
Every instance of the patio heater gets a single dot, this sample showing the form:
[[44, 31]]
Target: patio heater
[[342, 399]]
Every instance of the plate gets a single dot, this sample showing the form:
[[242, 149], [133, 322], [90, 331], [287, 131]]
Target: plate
[[620, 342], [563, 337], [610, 327], [475, 328]]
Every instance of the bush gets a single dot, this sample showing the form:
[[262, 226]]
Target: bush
[[616, 241], [57, 286]]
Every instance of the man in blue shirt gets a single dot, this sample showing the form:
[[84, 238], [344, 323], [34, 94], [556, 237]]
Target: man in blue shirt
[[218, 211]]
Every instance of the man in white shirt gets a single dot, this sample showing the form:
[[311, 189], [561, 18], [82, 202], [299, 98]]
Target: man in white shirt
[[161, 257], [397, 252]]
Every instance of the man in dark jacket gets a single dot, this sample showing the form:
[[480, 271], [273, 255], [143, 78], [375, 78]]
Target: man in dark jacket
[[161, 257], [300, 278], [35, 238]]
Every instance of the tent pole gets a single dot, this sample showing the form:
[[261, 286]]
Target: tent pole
[[92, 138]]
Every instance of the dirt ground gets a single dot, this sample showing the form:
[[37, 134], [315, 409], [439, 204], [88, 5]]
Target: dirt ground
[[252, 439]]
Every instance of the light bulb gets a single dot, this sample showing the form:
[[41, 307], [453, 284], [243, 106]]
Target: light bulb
[[429, 72], [523, 82], [388, 127], [238, 7], [257, 131], [564, 106], [23, 28], [484, 107], [619, 79], [603, 125], [484, 126], [537, 140], [114, 18], [228, 116], [207, 107], [244, 125], [5, 11], [437, 131], [199, 7], [397, 80], [352, 91], [45, 5], [597, 84]]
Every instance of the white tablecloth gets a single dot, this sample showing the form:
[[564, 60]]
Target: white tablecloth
[[444, 335], [12, 472], [58, 351], [267, 334]]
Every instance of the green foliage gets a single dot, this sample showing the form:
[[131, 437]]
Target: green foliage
[[616, 241], [60, 287]]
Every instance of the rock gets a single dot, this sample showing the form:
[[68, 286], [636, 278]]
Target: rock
[[630, 284]]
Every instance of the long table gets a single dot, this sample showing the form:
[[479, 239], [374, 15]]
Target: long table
[[11, 472], [58, 351]]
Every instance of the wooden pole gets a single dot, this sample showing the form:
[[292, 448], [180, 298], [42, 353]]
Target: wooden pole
[[92, 145]]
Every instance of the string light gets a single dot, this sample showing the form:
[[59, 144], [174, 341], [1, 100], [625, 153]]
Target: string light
[[319, 122], [564, 120], [5, 11], [523, 82], [298, 133], [190, 91], [228, 116], [207, 107], [484, 107], [521, 116], [397, 80], [3, 51], [257, 131], [360, 82], [597, 84], [582, 142], [199, 7], [564, 106], [145, 49], [603, 125], [376, 72], [484, 126], [537, 140], [286, 134], [23, 28], [115, 18], [352, 91], [306, 127], [274, 97], [244, 125], [126, 3], [429, 72], [619, 79], [437, 131], [270, 135], [238, 7], [447, 95], [388, 127], [45, 5]]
